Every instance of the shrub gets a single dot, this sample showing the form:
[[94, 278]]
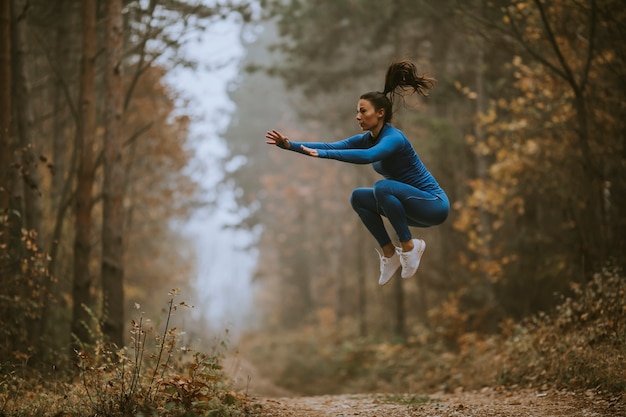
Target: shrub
[[24, 280], [138, 380], [582, 345]]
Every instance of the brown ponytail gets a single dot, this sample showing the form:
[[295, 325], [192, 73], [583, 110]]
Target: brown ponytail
[[401, 74], [404, 74]]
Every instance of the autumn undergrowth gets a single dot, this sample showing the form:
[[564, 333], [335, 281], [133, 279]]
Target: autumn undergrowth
[[581, 345], [154, 376]]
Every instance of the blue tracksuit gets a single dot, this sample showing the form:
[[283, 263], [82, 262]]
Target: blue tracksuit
[[409, 195]]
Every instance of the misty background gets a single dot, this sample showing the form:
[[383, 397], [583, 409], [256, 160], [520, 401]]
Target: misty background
[[225, 254], [135, 175]]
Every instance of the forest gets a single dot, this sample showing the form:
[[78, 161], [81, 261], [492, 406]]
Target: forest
[[523, 285]]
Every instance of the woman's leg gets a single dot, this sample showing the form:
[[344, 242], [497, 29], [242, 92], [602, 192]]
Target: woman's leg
[[406, 206], [402, 204], [364, 203]]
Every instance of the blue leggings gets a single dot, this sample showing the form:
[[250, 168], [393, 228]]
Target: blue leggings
[[402, 204]]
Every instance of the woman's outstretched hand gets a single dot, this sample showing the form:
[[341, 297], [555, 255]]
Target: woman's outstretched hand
[[274, 137], [309, 151]]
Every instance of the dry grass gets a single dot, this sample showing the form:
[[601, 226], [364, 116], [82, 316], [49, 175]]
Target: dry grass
[[144, 379], [580, 346]]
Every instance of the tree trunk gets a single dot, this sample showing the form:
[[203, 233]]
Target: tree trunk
[[399, 296], [400, 329], [5, 102], [62, 97], [64, 157], [14, 190], [482, 173], [86, 127], [113, 187], [25, 123], [29, 167], [65, 19], [362, 279]]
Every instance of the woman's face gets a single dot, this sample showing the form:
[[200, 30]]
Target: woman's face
[[367, 116]]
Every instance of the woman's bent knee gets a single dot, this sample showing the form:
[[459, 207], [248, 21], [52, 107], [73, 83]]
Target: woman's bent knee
[[357, 197], [382, 189]]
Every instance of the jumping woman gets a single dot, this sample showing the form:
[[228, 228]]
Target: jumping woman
[[409, 195]]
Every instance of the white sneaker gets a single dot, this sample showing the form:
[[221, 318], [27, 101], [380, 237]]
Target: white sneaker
[[388, 267], [410, 261]]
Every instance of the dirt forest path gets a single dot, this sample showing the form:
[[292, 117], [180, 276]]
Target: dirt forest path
[[272, 401], [485, 403]]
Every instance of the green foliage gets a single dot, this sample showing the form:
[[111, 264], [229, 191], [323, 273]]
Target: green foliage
[[329, 45], [406, 399]]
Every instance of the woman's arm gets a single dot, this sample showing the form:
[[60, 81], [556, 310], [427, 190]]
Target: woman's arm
[[276, 138], [386, 146]]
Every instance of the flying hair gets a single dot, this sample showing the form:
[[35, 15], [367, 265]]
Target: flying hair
[[403, 74]]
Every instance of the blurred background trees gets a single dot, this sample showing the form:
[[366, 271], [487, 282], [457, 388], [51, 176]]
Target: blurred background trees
[[95, 167], [523, 131]]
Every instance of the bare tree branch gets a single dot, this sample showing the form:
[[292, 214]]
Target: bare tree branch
[[569, 75]]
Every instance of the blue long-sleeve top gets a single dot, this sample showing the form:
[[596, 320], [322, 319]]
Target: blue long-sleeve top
[[391, 155]]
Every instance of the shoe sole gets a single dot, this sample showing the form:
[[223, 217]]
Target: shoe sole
[[420, 252]]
